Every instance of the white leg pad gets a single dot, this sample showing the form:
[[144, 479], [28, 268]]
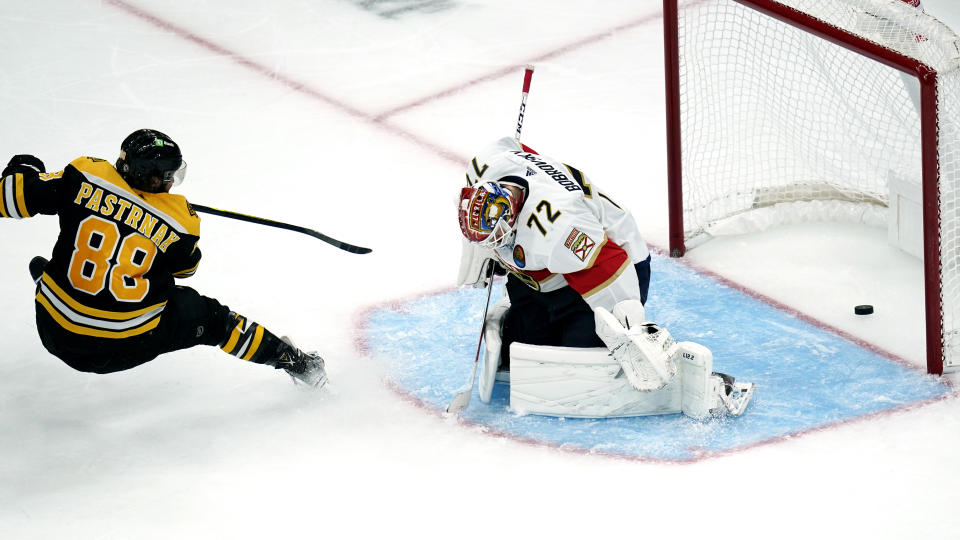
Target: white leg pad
[[492, 340], [704, 392], [701, 389], [581, 383], [588, 383]]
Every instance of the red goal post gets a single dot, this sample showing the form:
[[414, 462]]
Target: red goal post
[[830, 108]]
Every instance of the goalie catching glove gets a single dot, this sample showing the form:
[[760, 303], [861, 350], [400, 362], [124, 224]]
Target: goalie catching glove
[[644, 350]]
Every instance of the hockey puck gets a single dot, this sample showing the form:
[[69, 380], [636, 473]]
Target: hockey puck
[[864, 309]]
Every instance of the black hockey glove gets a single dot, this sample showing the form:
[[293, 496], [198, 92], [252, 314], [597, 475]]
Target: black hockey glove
[[23, 163]]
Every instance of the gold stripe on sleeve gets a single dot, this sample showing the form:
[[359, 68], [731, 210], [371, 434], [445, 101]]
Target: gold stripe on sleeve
[[21, 201], [596, 252], [626, 264]]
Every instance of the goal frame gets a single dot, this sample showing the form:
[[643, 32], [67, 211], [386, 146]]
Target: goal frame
[[930, 175]]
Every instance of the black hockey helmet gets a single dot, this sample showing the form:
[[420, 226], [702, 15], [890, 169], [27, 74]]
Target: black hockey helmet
[[150, 161]]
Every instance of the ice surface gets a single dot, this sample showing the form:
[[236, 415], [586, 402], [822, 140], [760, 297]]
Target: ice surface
[[356, 118], [808, 377]]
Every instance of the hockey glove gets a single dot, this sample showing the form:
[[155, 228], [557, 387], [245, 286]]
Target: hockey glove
[[25, 164], [644, 350]]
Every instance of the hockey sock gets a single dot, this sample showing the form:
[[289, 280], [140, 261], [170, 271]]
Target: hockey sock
[[250, 341]]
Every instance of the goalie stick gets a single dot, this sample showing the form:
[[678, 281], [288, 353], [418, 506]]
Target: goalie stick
[[461, 400], [281, 225], [527, 76]]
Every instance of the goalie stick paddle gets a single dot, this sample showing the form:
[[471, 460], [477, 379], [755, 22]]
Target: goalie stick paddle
[[281, 225], [461, 400]]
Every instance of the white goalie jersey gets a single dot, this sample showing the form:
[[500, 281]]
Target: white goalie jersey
[[568, 232]]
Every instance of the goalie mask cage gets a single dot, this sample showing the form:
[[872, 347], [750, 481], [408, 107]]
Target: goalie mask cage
[[811, 109]]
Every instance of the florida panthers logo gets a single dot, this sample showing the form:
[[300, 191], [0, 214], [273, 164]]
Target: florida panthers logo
[[518, 256]]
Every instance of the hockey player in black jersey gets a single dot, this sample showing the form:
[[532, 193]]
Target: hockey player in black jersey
[[106, 300]]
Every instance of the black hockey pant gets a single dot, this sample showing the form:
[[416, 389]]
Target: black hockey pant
[[560, 317], [188, 319]]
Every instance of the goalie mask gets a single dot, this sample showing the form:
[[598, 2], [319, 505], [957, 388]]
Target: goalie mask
[[488, 214]]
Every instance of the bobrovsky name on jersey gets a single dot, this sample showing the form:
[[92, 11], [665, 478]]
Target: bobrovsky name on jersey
[[559, 176]]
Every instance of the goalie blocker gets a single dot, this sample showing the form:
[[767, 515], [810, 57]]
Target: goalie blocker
[[616, 381]]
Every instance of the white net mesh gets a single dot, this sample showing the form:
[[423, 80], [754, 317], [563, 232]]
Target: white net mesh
[[774, 118]]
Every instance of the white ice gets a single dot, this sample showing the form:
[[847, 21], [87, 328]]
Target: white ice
[[356, 117]]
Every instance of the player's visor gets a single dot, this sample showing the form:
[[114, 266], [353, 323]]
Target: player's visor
[[176, 176]]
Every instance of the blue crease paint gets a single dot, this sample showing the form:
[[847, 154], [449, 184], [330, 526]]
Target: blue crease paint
[[807, 376]]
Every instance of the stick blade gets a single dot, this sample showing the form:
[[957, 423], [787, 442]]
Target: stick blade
[[459, 402], [350, 248]]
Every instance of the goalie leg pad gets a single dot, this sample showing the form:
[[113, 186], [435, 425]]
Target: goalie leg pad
[[701, 391], [644, 351], [580, 383], [706, 393], [586, 383], [492, 339]]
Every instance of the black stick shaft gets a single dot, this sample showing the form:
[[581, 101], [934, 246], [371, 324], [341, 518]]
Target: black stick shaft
[[281, 225]]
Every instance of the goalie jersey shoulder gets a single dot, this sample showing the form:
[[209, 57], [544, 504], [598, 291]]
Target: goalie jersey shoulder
[[556, 229], [568, 232]]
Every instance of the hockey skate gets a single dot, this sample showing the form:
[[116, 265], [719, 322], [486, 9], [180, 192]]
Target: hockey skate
[[735, 396], [305, 367]]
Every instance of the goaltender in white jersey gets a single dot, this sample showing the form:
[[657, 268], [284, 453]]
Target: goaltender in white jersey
[[579, 271], [567, 233]]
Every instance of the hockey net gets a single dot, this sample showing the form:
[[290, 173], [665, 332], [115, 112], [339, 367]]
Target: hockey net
[[783, 110]]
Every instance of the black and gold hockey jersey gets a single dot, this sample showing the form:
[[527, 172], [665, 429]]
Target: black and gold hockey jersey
[[119, 248]]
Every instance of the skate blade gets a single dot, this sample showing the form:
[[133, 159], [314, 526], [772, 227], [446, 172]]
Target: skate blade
[[739, 398]]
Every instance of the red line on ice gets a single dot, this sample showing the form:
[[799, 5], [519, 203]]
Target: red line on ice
[[510, 70], [379, 120], [286, 80]]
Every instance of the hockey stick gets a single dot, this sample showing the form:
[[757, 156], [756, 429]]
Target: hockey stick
[[461, 400], [527, 76], [281, 225]]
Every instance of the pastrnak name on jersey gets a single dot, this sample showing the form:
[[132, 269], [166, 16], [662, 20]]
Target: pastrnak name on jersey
[[123, 211]]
